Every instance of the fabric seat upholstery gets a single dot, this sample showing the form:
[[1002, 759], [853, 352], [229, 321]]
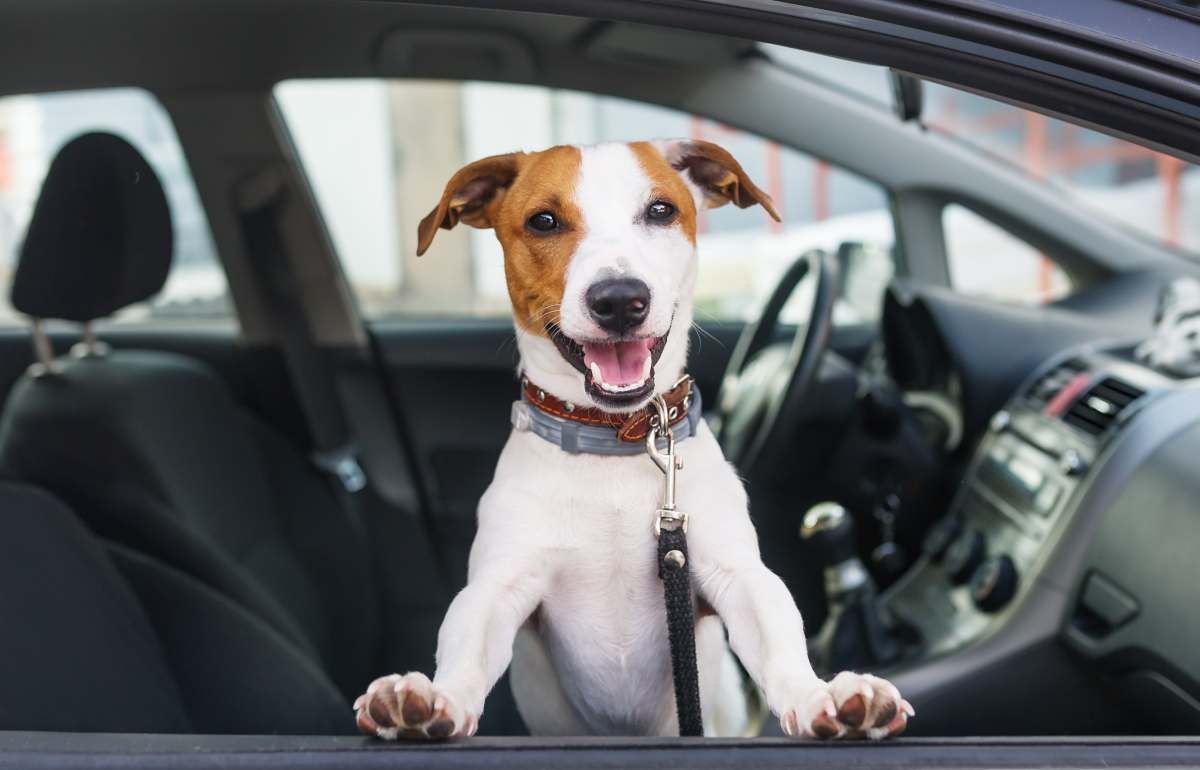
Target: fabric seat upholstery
[[101, 638], [72, 627], [150, 447]]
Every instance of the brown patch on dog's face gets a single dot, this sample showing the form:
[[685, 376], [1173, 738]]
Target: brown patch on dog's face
[[668, 186], [535, 263], [503, 192]]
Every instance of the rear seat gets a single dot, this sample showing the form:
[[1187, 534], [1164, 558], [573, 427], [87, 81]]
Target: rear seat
[[73, 629], [100, 638]]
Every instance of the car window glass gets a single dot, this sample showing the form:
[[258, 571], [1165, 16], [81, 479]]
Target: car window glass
[[986, 260], [1155, 195], [33, 128], [378, 153]]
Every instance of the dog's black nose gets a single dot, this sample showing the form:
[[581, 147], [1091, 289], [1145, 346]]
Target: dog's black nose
[[618, 304]]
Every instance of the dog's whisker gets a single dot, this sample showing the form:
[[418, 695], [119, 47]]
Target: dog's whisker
[[700, 330], [545, 311], [510, 340]]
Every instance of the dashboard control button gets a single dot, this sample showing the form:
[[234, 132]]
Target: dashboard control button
[[1025, 475], [964, 555], [940, 536], [1072, 463], [1047, 498], [994, 583]]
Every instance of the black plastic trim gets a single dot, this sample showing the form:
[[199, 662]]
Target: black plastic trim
[[184, 751]]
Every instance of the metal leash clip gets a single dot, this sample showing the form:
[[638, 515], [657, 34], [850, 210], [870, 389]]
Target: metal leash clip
[[667, 516]]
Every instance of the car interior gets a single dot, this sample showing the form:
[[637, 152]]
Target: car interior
[[227, 515]]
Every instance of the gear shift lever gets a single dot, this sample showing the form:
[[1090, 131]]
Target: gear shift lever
[[855, 633]]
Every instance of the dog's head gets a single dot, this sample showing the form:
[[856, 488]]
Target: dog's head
[[600, 256]]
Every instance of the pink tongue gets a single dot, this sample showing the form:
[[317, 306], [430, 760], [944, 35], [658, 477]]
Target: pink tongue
[[621, 363]]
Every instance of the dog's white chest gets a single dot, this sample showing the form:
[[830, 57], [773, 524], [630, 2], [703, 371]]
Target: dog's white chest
[[601, 624], [602, 621]]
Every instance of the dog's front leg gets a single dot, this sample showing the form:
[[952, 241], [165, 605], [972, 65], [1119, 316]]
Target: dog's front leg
[[767, 634], [474, 648]]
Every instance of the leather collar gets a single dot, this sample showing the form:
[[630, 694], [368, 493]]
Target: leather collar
[[631, 427]]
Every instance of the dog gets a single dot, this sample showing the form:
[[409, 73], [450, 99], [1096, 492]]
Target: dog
[[600, 259]]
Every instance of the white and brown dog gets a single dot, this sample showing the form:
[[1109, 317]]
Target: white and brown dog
[[600, 258]]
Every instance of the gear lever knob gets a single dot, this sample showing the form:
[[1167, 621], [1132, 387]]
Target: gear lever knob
[[829, 527], [855, 632]]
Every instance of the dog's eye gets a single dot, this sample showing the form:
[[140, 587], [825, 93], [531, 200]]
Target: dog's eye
[[542, 222], [659, 211]]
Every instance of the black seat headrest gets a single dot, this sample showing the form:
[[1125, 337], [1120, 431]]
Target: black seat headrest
[[100, 236]]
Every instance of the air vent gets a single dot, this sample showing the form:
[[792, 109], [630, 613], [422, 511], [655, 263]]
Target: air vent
[[1101, 405], [1049, 384]]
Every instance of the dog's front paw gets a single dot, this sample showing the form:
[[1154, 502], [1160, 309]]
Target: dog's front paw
[[413, 708], [849, 706]]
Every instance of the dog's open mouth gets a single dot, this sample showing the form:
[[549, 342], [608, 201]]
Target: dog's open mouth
[[615, 372]]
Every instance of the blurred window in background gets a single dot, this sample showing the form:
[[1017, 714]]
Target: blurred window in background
[[1155, 194], [33, 128], [1136, 187], [1015, 271], [378, 154]]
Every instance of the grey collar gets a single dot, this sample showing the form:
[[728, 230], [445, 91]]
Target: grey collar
[[576, 438]]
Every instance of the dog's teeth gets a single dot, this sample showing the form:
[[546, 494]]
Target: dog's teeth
[[619, 388], [598, 379]]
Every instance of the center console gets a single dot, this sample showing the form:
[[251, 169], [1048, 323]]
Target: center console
[[1018, 496]]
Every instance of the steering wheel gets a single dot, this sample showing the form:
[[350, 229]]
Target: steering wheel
[[763, 388]]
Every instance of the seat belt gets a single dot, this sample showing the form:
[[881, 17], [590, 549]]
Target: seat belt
[[335, 452]]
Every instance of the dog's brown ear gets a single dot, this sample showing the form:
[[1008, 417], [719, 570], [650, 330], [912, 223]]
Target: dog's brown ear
[[470, 197], [719, 177]]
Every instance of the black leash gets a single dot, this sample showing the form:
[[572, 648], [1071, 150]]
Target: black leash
[[670, 527], [681, 629]]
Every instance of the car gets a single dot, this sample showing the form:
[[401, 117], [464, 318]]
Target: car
[[245, 429]]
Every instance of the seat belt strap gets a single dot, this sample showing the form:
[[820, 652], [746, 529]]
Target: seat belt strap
[[335, 453]]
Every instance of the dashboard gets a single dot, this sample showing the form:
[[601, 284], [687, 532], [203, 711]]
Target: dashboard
[[1071, 547]]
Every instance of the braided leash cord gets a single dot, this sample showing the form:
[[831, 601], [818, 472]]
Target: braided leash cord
[[681, 628]]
